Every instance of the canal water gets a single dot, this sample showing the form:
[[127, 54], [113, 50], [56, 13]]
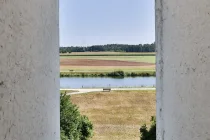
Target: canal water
[[98, 82]]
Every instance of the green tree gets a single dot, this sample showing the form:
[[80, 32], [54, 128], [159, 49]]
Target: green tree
[[149, 134], [86, 128], [74, 126], [63, 136]]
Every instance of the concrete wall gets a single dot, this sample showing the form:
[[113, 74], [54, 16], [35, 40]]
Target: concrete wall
[[29, 70], [183, 69]]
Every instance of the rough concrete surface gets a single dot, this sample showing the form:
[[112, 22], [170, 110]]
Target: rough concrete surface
[[29, 70], [183, 69]]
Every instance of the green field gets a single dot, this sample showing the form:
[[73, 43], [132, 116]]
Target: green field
[[147, 59], [110, 56], [106, 68]]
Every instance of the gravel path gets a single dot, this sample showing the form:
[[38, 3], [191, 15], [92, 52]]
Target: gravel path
[[81, 91]]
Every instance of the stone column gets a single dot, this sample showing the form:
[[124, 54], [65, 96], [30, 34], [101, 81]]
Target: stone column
[[29, 70], [183, 69]]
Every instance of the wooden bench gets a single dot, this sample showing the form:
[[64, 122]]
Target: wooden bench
[[107, 89]]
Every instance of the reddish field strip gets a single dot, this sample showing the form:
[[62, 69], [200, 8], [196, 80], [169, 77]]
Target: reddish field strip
[[92, 62]]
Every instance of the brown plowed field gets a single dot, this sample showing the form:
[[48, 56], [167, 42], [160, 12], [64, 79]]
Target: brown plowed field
[[92, 62]]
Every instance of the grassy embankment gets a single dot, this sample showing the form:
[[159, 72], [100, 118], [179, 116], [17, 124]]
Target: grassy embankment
[[144, 64], [117, 115]]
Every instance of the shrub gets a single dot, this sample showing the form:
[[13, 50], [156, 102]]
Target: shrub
[[63, 136], [86, 128], [116, 74], [102, 75], [133, 74], [74, 126], [149, 134], [83, 75]]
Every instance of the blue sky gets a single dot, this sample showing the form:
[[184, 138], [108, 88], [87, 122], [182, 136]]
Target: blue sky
[[97, 22]]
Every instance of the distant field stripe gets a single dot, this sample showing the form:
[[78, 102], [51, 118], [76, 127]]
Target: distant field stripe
[[148, 59], [109, 55]]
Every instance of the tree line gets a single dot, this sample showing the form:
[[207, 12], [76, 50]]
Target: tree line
[[110, 48]]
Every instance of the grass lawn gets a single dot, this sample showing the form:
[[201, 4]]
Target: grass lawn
[[107, 68], [117, 115]]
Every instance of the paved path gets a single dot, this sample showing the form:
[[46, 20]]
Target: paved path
[[80, 91]]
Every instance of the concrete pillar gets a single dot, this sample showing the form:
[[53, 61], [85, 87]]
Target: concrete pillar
[[29, 70], [183, 69]]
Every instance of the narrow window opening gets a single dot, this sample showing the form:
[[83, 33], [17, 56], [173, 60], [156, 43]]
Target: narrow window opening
[[107, 65]]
